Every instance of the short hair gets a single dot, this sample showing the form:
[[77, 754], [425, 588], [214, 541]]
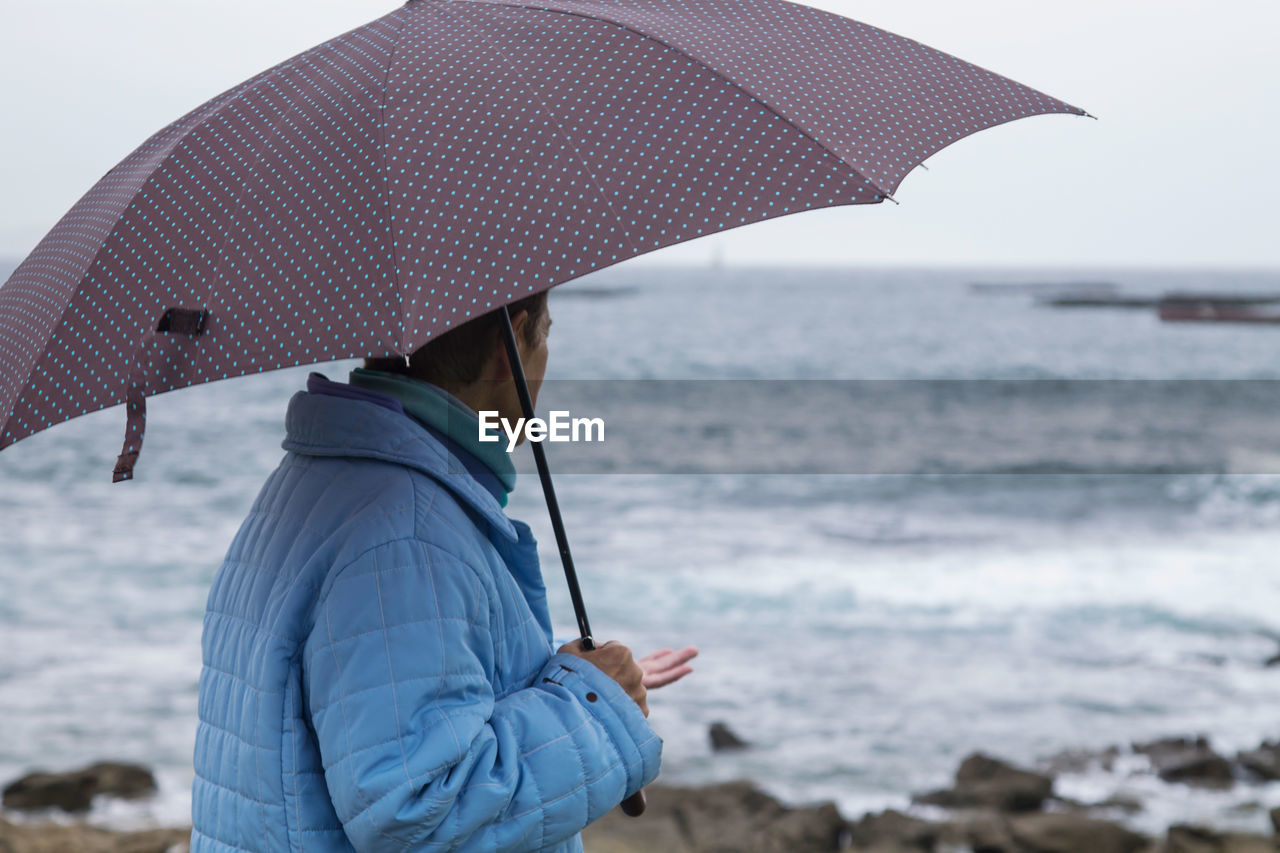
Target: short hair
[[458, 356]]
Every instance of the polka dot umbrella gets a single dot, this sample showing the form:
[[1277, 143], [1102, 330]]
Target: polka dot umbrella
[[448, 158]]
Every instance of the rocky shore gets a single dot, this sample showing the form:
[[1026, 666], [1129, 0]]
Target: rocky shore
[[992, 807]]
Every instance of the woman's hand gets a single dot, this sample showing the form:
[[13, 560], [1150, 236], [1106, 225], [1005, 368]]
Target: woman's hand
[[665, 666]]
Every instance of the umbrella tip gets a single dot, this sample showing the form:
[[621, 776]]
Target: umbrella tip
[[1088, 114], [884, 196]]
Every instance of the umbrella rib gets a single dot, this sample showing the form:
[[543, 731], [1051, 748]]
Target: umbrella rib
[[827, 152], [604, 196], [386, 185]]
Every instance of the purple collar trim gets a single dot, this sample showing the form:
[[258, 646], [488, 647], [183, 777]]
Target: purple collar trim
[[318, 383]]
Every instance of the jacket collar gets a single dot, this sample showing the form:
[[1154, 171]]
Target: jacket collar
[[440, 410], [326, 425]]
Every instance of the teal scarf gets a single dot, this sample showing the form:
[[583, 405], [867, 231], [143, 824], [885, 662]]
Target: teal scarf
[[440, 410]]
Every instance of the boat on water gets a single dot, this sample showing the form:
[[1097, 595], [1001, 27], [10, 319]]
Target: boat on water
[[1174, 306], [1265, 298], [1099, 300], [1179, 302], [1187, 311]]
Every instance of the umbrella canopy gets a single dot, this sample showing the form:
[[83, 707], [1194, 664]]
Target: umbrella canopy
[[449, 158]]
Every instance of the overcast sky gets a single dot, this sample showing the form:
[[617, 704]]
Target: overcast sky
[[1180, 169]]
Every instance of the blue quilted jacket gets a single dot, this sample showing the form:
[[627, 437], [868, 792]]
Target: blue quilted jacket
[[378, 665]]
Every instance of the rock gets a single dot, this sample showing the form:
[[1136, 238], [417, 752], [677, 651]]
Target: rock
[[723, 738], [58, 838], [1120, 803], [1190, 839], [814, 828], [893, 830], [1209, 771], [1189, 761], [127, 781], [985, 782], [980, 832], [1070, 833], [1170, 748], [1263, 762], [153, 841], [39, 791], [74, 791], [730, 818], [1198, 839], [1080, 760]]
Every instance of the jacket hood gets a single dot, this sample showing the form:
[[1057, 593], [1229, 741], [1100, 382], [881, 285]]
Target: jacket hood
[[325, 425]]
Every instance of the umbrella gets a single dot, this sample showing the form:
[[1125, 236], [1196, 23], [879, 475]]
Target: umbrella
[[447, 159]]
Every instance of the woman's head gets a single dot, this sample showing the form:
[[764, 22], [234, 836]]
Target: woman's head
[[461, 356]]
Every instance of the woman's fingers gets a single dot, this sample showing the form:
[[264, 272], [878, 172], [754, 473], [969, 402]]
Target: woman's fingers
[[666, 666]]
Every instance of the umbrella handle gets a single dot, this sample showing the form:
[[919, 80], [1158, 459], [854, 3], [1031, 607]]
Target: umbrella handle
[[633, 806]]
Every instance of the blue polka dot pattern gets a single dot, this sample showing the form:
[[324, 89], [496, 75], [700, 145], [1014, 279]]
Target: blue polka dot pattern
[[456, 155]]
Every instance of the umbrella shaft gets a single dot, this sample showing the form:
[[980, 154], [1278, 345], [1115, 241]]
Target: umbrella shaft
[[548, 490], [634, 805]]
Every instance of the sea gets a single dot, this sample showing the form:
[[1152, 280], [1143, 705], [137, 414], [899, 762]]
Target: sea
[[902, 517]]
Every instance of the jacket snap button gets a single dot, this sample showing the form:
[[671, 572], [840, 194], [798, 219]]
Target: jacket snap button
[[591, 697]]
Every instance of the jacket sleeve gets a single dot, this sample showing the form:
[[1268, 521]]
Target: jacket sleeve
[[420, 754]]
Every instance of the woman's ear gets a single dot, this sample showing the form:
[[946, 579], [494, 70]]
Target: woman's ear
[[499, 369], [518, 321], [519, 325]]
